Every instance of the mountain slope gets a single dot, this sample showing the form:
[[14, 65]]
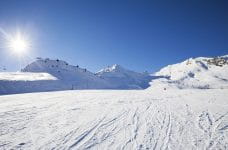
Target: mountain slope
[[74, 76], [122, 78], [201, 72], [52, 75], [34, 78]]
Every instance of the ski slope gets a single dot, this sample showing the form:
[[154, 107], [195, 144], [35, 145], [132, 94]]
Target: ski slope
[[115, 119]]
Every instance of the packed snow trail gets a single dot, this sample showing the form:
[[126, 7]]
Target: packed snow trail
[[115, 119]]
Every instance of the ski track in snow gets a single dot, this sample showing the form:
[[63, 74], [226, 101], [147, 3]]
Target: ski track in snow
[[109, 119]]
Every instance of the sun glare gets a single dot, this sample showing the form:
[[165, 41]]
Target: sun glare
[[18, 45]]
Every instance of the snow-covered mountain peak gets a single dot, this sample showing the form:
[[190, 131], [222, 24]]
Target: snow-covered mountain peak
[[113, 68], [200, 72], [46, 74], [114, 77], [50, 65], [198, 64], [116, 67], [74, 76], [124, 78]]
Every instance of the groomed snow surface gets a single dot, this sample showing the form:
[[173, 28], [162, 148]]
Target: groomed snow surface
[[115, 119]]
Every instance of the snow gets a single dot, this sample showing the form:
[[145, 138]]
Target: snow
[[24, 82], [115, 77], [197, 73], [115, 119], [55, 75], [184, 107], [73, 76], [122, 78], [25, 76]]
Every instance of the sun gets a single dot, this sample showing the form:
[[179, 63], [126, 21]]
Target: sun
[[16, 43], [19, 45]]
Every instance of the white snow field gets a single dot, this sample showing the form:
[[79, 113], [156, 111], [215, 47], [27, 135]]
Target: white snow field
[[25, 76], [185, 107], [115, 119]]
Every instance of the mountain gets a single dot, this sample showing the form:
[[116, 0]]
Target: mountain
[[74, 76], [201, 72], [45, 74], [122, 78], [49, 75], [53, 75]]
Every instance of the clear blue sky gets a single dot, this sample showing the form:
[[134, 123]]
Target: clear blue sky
[[137, 34]]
